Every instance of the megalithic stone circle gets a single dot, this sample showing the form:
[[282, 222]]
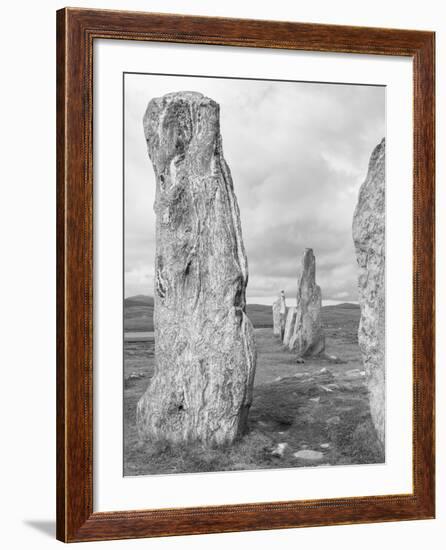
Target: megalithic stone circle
[[369, 239], [308, 336], [205, 354]]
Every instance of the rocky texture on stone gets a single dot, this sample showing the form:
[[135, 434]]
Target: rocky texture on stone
[[308, 335], [289, 325], [369, 239], [204, 343]]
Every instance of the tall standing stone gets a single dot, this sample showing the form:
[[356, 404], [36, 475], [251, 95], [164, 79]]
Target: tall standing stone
[[308, 337], [369, 239], [204, 343]]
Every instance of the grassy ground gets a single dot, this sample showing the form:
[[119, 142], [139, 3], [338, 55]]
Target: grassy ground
[[138, 314], [309, 414]]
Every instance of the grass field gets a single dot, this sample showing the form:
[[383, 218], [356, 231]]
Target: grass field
[[138, 314], [311, 414]]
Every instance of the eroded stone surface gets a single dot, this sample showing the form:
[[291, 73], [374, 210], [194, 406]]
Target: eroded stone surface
[[204, 343], [308, 335], [369, 239]]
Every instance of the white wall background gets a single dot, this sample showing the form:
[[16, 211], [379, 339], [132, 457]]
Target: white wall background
[[27, 217]]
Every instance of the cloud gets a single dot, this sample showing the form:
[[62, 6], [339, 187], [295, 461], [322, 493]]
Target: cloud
[[298, 153]]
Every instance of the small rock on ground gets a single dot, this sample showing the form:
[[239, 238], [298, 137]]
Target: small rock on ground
[[308, 454], [279, 449]]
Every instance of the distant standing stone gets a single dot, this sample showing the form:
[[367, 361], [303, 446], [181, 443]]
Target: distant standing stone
[[289, 325], [279, 315], [276, 317], [369, 239], [308, 335], [282, 314], [204, 343]]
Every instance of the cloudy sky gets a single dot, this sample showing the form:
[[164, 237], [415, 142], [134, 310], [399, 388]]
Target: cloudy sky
[[298, 153]]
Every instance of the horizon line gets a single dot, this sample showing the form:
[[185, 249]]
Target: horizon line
[[266, 301]]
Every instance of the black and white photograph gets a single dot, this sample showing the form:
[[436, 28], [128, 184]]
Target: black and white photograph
[[254, 274]]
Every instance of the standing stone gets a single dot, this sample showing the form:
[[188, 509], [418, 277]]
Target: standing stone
[[276, 317], [369, 239], [289, 325], [308, 335], [279, 315], [204, 343], [282, 313]]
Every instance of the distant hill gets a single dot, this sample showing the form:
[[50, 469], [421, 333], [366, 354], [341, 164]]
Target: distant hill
[[138, 313], [346, 305], [139, 300]]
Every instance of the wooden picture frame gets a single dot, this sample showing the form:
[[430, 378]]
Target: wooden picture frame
[[76, 31]]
